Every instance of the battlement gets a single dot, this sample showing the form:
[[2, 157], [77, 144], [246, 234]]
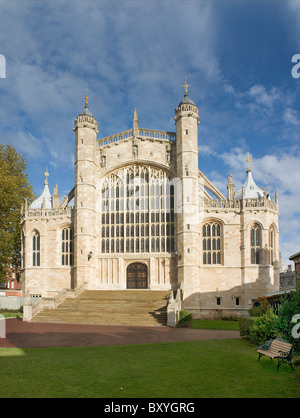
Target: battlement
[[238, 205], [47, 213]]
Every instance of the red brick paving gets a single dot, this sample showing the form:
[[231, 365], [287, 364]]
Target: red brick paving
[[33, 335]]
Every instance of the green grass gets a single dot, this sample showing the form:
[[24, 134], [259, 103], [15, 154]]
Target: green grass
[[201, 369], [11, 314], [215, 324]]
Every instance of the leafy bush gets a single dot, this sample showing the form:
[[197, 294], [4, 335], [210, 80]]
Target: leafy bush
[[230, 318], [264, 328], [289, 307], [185, 319], [245, 325], [256, 311]]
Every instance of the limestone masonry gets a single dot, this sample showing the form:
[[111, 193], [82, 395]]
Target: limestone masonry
[[141, 216]]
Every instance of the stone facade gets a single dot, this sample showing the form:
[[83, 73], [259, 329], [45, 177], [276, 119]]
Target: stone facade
[[143, 216], [296, 259]]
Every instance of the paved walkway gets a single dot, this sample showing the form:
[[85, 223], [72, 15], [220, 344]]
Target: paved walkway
[[29, 335]]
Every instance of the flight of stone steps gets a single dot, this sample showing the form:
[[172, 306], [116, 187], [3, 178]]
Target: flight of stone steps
[[110, 307]]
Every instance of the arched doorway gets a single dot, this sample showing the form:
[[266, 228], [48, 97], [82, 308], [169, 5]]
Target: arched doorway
[[137, 276]]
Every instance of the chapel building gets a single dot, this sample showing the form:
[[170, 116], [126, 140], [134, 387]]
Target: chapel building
[[143, 216]]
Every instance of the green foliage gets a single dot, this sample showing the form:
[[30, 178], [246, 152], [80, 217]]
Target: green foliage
[[14, 188], [269, 326], [245, 325], [256, 311], [185, 319], [289, 307], [264, 328]]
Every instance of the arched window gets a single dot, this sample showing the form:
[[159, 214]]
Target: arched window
[[255, 244], [36, 249], [67, 247], [211, 243], [272, 244], [137, 207]]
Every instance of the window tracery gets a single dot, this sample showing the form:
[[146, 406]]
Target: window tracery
[[67, 247], [36, 249], [211, 242], [255, 244], [272, 244], [137, 205]]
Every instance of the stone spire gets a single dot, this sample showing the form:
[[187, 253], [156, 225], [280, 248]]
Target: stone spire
[[55, 198], [230, 188], [135, 124]]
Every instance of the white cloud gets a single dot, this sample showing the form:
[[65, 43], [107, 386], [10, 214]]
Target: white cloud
[[291, 117], [28, 144], [262, 97]]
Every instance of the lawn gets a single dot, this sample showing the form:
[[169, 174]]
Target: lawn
[[201, 369], [214, 324]]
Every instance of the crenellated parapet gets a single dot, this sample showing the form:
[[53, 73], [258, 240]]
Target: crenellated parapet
[[243, 204], [47, 213], [86, 121]]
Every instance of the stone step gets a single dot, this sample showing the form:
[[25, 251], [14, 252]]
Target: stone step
[[102, 307]]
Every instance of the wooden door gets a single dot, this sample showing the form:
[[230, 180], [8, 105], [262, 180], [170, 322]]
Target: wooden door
[[137, 276]]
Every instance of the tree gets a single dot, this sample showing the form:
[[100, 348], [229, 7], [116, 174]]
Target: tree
[[14, 188]]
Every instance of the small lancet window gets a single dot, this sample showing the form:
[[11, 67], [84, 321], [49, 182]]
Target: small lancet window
[[67, 247], [36, 249], [255, 244]]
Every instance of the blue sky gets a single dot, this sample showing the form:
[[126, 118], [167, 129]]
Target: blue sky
[[235, 54]]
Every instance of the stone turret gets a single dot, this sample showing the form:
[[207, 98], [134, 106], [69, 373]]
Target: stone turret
[[187, 119], [85, 195]]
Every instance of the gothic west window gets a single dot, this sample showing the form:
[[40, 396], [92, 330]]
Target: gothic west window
[[255, 244], [36, 249], [211, 243], [67, 247], [137, 205], [272, 244]]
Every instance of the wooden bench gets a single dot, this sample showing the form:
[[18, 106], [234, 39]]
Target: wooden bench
[[277, 349]]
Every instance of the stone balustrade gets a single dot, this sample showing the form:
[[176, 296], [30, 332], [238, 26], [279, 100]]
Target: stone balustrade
[[30, 310], [41, 213], [151, 134], [257, 204]]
